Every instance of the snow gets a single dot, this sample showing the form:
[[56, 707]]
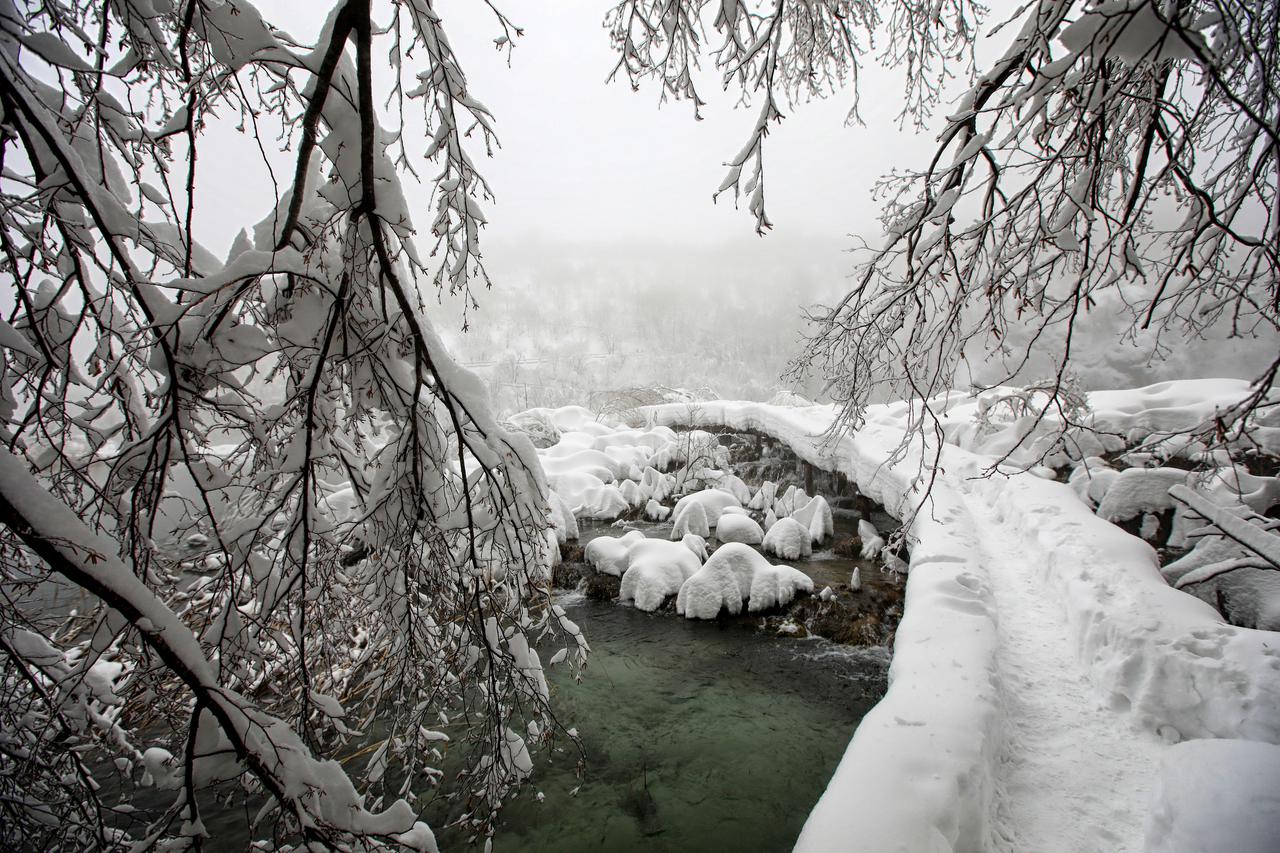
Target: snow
[[655, 511], [1042, 667], [736, 573], [608, 554], [872, 541], [1216, 795], [734, 527], [713, 502], [815, 515], [656, 569], [788, 539], [603, 501], [692, 519]]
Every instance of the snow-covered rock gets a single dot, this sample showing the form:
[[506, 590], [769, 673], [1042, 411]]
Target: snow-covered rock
[[734, 527], [764, 498], [815, 515], [692, 518], [737, 573], [696, 544], [562, 518], [608, 554], [656, 569], [734, 485], [788, 539], [872, 541], [713, 503], [603, 502], [656, 511], [1137, 490]]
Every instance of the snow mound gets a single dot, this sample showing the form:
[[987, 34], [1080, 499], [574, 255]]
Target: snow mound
[[656, 511], [562, 518], [696, 544], [788, 539], [655, 570], [736, 573], [734, 485], [765, 498], [713, 503], [608, 554], [603, 501], [692, 518], [1138, 490], [791, 500], [872, 541], [816, 517], [735, 527], [595, 462], [1217, 795]]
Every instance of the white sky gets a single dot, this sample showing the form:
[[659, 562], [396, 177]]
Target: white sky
[[587, 166]]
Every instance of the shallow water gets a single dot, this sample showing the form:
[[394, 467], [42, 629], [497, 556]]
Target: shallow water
[[698, 736]]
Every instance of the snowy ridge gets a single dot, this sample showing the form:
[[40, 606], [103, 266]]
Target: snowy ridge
[[925, 767]]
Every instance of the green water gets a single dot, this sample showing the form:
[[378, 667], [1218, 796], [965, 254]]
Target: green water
[[698, 736]]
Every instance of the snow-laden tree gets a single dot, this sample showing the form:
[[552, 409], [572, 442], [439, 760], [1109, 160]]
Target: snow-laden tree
[[1119, 155], [290, 525]]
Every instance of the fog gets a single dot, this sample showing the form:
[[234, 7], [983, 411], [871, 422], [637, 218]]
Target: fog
[[611, 266]]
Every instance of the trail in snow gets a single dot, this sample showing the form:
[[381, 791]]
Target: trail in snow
[[1071, 775]]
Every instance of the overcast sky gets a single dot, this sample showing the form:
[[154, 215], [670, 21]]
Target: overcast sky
[[586, 168]]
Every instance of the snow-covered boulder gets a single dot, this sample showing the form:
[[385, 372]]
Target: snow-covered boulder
[[713, 502], [816, 517], [562, 518], [595, 462], [788, 539], [604, 501], [791, 500], [696, 544], [734, 527], [656, 569], [1139, 490], [573, 486], [630, 491], [608, 554], [737, 573], [872, 541], [765, 497], [734, 485], [691, 518], [656, 511], [1090, 479], [656, 485]]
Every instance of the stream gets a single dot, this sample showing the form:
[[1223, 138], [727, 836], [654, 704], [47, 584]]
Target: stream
[[698, 735]]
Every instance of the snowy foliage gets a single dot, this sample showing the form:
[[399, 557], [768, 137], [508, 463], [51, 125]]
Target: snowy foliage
[[292, 508]]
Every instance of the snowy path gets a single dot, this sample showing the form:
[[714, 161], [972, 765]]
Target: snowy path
[[1039, 653], [1071, 776]]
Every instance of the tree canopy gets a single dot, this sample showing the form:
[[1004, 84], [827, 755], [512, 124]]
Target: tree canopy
[[295, 518]]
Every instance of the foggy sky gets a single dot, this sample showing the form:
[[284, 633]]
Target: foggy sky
[[590, 169]]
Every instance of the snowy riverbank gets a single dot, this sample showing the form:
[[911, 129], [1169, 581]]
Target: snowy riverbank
[[1032, 627]]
